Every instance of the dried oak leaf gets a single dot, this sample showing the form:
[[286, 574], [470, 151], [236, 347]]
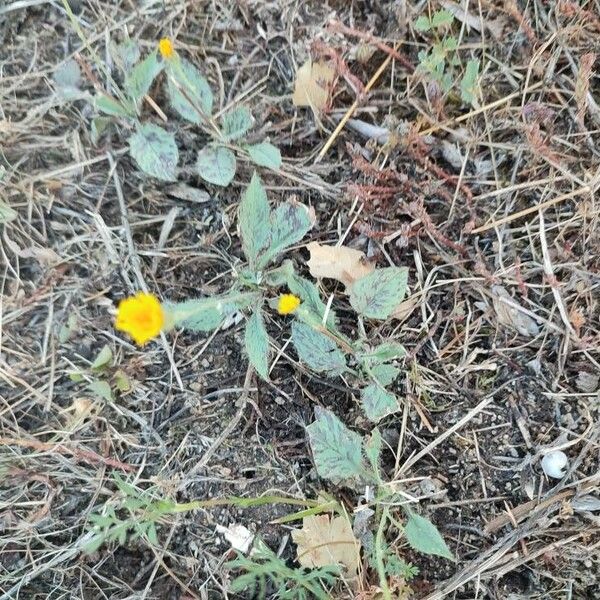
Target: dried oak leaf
[[325, 541], [313, 83], [338, 262]]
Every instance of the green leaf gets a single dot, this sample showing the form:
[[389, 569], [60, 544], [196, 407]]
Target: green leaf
[[289, 223], [385, 374], [101, 388], [315, 349], [377, 294], [68, 329], [155, 151], [110, 106], [67, 78], [423, 24], [206, 314], [308, 292], [254, 220], [468, 84], [98, 126], [236, 123], [385, 352], [140, 78], [7, 213], [442, 18], [422, 535], [265, 155], [122, 381], [257, 344], [377, 402], [336, 449], [103, 359], [189, 91], [126, 54], [373, 447], [216, 165]]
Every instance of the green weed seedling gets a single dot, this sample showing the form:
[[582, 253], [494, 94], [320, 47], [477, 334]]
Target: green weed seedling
[[343, 456], [102, 378], [442, 60], [154, 148], [265, 235], [263, 566]]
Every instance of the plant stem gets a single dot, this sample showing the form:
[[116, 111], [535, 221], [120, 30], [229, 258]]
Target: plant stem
[[387, 595]]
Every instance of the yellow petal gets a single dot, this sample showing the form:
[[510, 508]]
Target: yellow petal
[[287, 304], [141, 317]]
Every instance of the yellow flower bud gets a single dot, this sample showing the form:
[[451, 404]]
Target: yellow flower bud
[[287, 304], [165, 47]]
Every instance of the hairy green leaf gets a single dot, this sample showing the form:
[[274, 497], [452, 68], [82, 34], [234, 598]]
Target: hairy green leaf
[[336, 449], [468, 84], [377, 294], [386, 352], [265, 155], [373, 447], [189, 91], [101, 388], [254, 220], [126, 54], [315, 349], [155, 151], [140, 78], [236, 123], [289, 223], [110, 106], [441, 18], [385, 374], [423, 23], [67, 78], [104, 358], [216, 165], [377, 402], [422, 535], [257, 344]]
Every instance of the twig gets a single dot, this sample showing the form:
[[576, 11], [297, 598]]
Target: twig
[[351, 110]]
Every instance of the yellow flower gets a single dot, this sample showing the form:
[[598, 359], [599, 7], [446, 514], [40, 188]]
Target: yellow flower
[[287, 304], [165, 47], [141, 316]]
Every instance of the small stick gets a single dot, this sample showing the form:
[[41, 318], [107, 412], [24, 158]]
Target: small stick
[[538, 207], [351, 110]]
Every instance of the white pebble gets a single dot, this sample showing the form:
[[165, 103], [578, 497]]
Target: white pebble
[[554, 464]]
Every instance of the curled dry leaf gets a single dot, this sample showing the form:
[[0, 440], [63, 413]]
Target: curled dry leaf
[[325, 541], [313, 81], [338, 262], [509, 313]]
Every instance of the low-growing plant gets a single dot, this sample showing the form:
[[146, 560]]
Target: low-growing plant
[[343, 456], [441, 61], [263, 566], [265, 234], [153, 148]]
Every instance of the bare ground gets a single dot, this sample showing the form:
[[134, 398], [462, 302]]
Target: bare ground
[[454, 196]]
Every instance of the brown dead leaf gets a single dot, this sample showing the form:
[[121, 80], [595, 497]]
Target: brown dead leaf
[[313, 81], [324, 541], [508, 313], [337, 262], [405, 308]]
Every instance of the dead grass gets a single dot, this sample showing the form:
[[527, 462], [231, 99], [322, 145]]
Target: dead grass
[[493, 210]]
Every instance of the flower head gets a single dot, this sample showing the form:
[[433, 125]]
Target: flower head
[[141, 316], [287, 304], [165, 47]]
